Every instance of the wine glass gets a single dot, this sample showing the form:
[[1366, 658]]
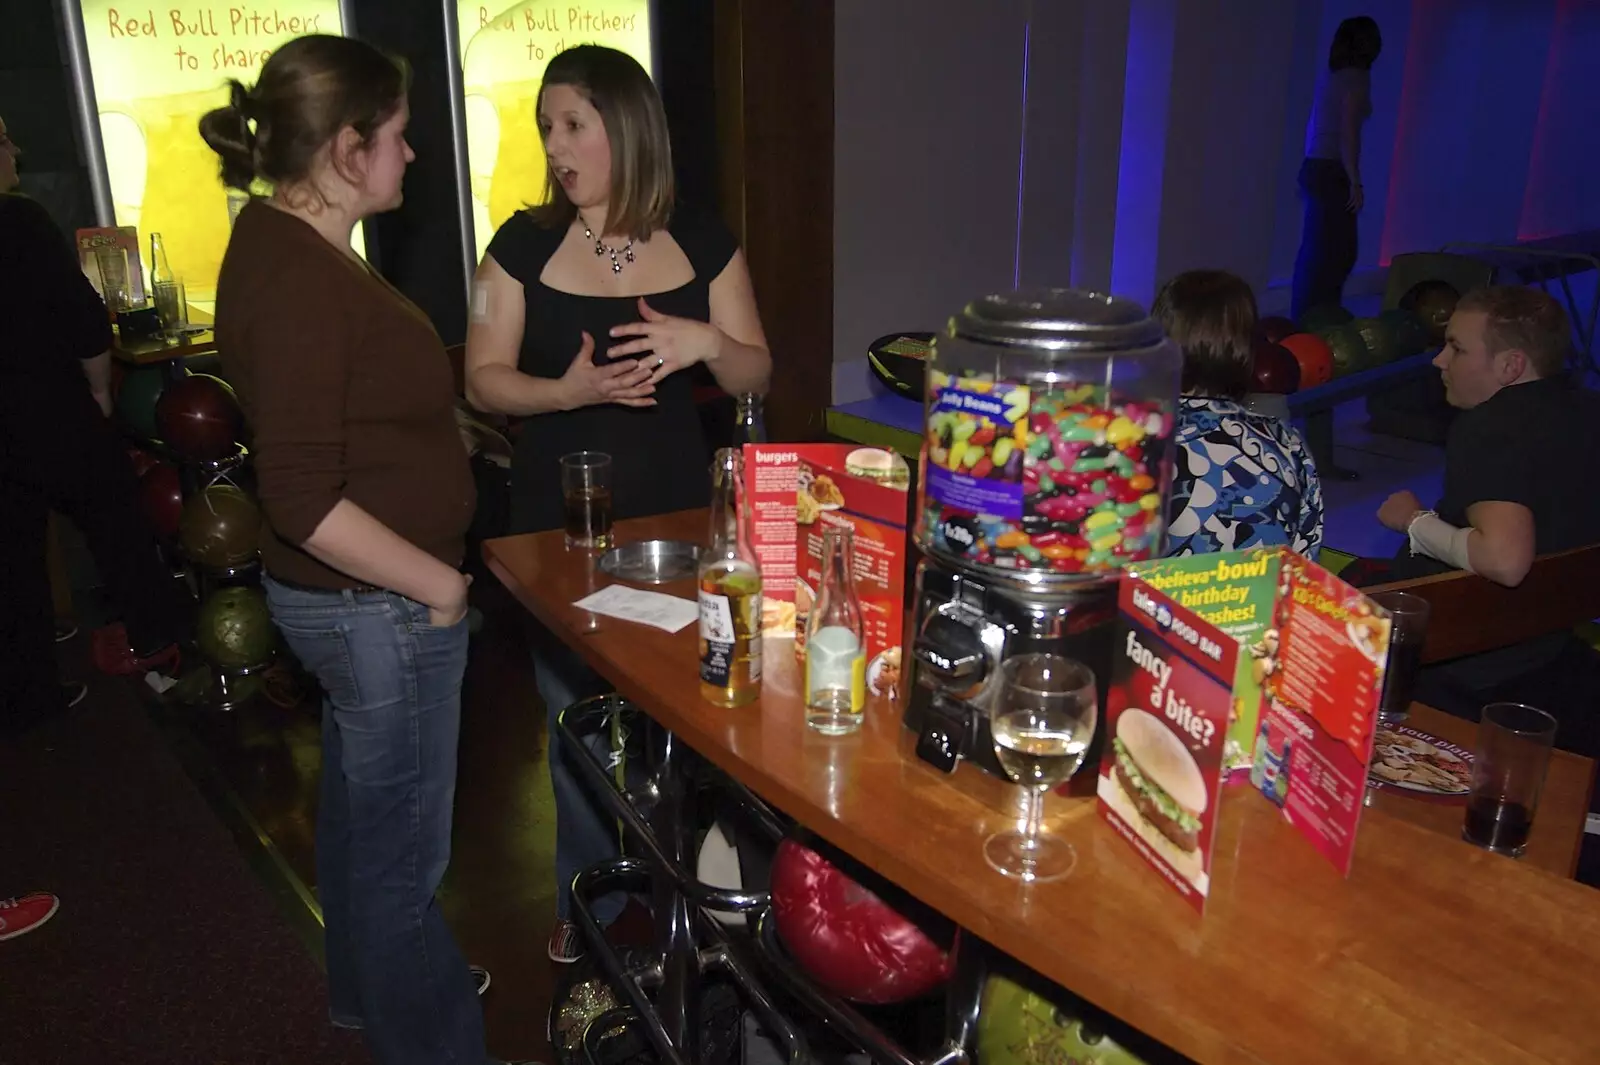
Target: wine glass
[[1042, 719]]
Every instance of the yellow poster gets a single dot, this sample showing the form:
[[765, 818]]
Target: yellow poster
[[156, 70], [504, 51]]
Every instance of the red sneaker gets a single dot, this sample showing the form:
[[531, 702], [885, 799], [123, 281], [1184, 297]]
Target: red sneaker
[[111, 652], [22, 915]]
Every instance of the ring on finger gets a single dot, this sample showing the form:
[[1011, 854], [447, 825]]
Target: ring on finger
[[660, 361]]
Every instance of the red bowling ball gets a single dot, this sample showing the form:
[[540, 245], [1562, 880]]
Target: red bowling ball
[[161, 498], [848, 939], [1276, 370], [1275, 327], [199, 418]]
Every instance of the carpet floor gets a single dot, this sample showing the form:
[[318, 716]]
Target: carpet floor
[[166, 950]]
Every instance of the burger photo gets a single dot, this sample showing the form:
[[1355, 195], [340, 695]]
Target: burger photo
[[1156, 787]]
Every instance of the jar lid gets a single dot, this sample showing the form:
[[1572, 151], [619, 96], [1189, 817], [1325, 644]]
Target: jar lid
[[1058, 319]]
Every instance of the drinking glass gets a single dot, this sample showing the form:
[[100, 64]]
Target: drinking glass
[[172, 306], [586, 496], [1042, 719], [1508, 774], [1409, 633], [115, 289]]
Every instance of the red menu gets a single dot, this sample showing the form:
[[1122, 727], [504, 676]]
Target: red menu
[[794, 492], [864, 488], [772, 475], [1320, 706], [1167, 708]]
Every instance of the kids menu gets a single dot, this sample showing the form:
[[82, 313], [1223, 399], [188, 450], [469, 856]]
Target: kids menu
[[1303, 706]]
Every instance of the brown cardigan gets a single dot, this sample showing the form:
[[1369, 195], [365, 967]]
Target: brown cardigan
[[348, 393]]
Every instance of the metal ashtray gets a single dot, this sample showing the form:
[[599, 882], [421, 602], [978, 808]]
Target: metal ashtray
[[652, 561]]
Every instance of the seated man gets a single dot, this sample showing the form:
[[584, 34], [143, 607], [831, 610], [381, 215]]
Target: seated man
[[1521, 465]]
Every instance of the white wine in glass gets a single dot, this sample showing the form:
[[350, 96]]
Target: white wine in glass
[[1042, 720]]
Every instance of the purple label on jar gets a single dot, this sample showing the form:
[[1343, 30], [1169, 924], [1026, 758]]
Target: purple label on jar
[[979, 496], [974, 458]]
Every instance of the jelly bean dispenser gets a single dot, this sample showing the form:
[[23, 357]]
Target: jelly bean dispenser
[[1046, 465]]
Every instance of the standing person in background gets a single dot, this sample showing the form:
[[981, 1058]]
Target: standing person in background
[[1239, 479], [367, 496], [587, 311], [1330, 176], [59, 450]]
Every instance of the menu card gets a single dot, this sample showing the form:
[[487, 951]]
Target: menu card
[[1234, 591], [772, 477], [1307, 685], [1167, 711], [124, 237], [1320, 705], [864, 488]]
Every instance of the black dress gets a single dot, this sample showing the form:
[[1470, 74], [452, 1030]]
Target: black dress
[[659, 454]]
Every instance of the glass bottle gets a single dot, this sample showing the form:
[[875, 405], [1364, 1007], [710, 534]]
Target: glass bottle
[[730, 593], [160, 269], [836, 648], [749, 420]]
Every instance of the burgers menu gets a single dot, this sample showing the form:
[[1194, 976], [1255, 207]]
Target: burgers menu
[[1167, 711]]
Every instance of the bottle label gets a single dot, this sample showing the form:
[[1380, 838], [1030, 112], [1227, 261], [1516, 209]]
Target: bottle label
[[837, 663], [716, 639]]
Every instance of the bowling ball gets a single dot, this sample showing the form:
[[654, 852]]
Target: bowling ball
[[137, 398], [1275, 369], [1383, 343], [220, 527], [1410, 335], [1350, 354], [1433, 302], [161, 498], [1318, 319], [1018, 1027], [199, 418], [235, 629], [1313, 355], [1275, 327], [849, 940]]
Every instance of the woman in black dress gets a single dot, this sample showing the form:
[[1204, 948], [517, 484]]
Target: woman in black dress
[[586, 312]]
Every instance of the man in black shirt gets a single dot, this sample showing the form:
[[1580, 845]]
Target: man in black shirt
[[1522, 465], [1523, 457], [59, 451]]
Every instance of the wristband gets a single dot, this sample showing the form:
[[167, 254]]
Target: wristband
[[1436, 538]]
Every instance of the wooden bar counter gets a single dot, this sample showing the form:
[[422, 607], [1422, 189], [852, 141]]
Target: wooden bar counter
[[1432, 950]]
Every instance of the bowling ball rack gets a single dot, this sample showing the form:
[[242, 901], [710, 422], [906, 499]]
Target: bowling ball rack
[[668, 1002]]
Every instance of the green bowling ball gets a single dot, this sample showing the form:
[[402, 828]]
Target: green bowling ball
[[1383, 344], [220, 527], [1410, 334], [1324, 317], [1433, 302], [1349, 347], [235, 628], [135, 406], [1018, 1027]]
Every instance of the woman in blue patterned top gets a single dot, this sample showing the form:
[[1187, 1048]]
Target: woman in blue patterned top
[[1239, 479]]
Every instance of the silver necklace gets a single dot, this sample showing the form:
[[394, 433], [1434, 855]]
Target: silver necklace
[[602, 248]]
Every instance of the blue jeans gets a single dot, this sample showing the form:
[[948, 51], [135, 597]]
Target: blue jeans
[[585, 834], [391, 714]]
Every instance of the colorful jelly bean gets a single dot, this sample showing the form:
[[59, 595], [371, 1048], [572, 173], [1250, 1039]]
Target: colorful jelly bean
[[1087, 466]]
